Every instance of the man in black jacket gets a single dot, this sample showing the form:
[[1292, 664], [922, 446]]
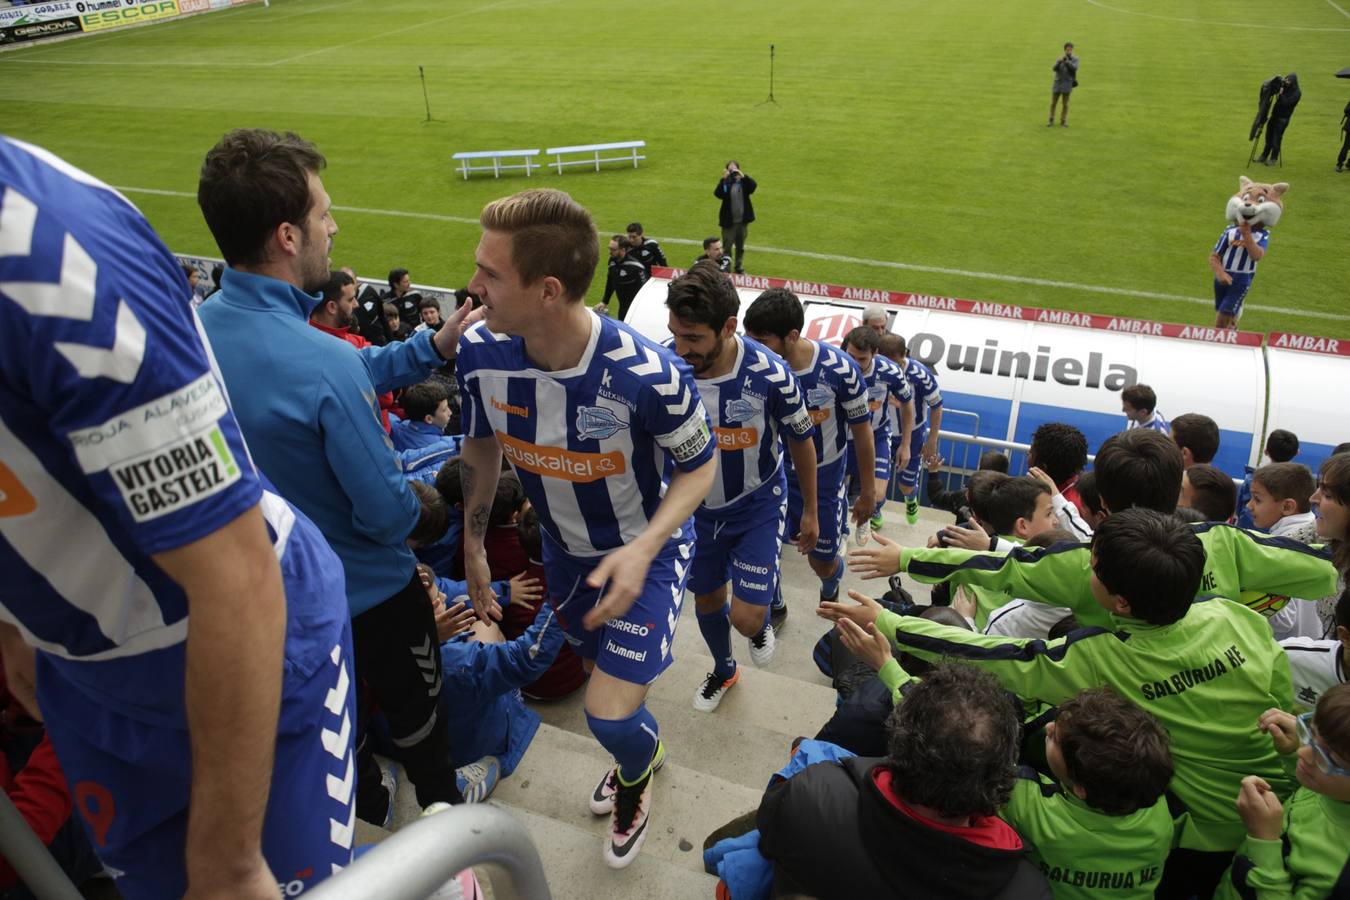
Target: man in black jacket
[[1280, 115], [644, 249], [737, 212], [626, 275], [918, 823], [369, 312]]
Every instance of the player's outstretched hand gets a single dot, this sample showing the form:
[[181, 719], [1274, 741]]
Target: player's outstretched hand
[[863, 611], [808, 535], [1260, 809], [863, 508], [867, 644], [625, 570], [1282, 728], [454, 619], [879, 558], [479, 579]]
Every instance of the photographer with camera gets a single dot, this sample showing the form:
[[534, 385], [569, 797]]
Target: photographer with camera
[[737, 212], [1280, 114], [1066, 79]]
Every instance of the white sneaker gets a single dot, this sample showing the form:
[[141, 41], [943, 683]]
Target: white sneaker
[[628, 823], [762, 647], [709, 693]]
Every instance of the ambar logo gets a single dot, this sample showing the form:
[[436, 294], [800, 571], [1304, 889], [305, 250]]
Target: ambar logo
[[510, 408], [555, 462], [736, 438]]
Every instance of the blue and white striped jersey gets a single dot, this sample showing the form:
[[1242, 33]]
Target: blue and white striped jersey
[[748, 406], [836, 397], [116, 439], [886, 380], [1233, 255], [1157, 422], [592, 444], [926, 392]]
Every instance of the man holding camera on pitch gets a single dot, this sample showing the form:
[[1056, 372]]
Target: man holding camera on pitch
[[1066, 79], [736, 214]]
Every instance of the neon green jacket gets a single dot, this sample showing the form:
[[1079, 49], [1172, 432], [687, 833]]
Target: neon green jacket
[[1207, 678], [1241, 565], [1085, 853], [1317, 830]]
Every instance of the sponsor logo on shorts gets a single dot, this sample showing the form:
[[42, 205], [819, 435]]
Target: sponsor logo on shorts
[[631, 627], [753, 569], [176, 476], [510, 409], [598, 423], [626, 652], [556, 462], [754, 586], [736, 438]]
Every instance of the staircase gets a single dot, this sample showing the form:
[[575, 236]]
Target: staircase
[[717, 764]]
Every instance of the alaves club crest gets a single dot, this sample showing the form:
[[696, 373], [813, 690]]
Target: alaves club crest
[[597, 423]]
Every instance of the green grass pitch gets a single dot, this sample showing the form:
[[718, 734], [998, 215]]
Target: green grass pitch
[[907, 150]]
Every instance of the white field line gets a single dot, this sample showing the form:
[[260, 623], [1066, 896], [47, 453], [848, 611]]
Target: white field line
[[851, 260], [1261, 24]]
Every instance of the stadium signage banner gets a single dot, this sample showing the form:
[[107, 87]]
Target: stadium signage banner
[[1012, 368], [18, 34], [1306, 376], [42, 12], [96, 15], [192, 6]]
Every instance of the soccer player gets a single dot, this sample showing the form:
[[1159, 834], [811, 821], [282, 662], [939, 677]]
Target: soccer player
[[612, 444], [837, 402], [927, 422], [646, 250], [753, 398], [129, 506], [1207, 669], [887, 387]]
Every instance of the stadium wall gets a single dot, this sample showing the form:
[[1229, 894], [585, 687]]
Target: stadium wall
[[71, 18]]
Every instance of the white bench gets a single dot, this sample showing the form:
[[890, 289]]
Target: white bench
[[595, 150], [498, 167]]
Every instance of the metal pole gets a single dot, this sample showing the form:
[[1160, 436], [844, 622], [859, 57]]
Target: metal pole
[[425, 99], [423, 856], [30, 858]]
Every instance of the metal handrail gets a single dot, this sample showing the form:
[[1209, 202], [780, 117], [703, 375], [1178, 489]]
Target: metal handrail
[[30, 859], [424, 855]]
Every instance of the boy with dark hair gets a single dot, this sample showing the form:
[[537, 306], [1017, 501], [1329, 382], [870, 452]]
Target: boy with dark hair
[[1280, 501], [1281, 446], [405, 299], [919, 822], [398, 331], [957, 500], [1093, 513], [1198, 437], [1014, 508], [1137, 402], [429, 315], [1206, 669], [1210, 490], [886, 387], [426, 408], [1133, 468], [645, 249], [757, 408], [1057, 456], [434, 518], [836, 400]]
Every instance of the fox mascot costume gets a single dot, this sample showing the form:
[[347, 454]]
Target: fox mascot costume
[[1252, 212]]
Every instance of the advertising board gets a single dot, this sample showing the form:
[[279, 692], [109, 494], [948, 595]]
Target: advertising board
[[1307, 374], [97, 15], [1016, 367]]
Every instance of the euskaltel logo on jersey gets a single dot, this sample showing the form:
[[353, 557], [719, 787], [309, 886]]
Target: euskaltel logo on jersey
[[557, 462]]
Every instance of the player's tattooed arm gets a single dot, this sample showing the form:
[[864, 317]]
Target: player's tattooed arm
[[480, 463]]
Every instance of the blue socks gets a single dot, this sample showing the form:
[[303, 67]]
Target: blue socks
[[778, 601], [631, 741], [716, 628], [830, 586]]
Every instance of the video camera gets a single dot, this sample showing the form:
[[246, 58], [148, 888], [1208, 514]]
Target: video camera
[[1270, 89]]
